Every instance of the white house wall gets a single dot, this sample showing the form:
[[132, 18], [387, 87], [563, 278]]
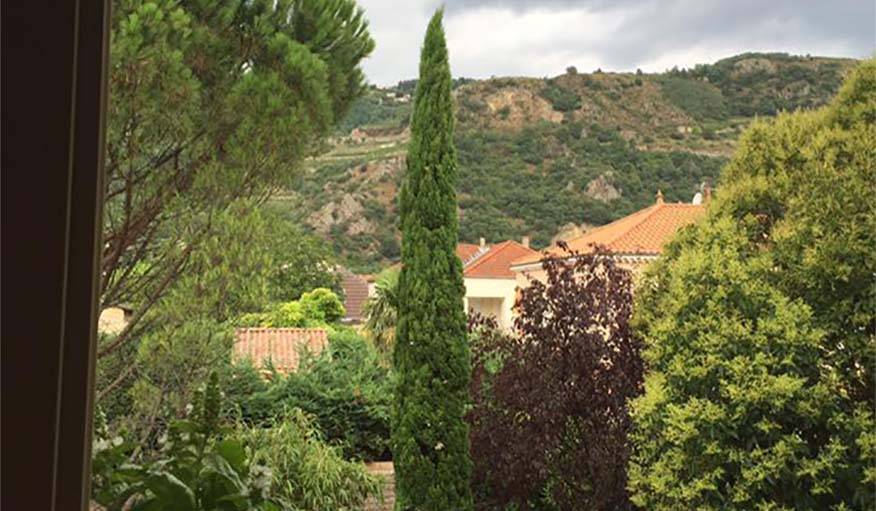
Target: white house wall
[[504, 289]]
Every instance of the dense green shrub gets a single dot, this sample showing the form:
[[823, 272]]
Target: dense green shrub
[[562, 99], [699, 99], [204, 464], [304, 471], [760, 326], [347, 389], [322, 304], [200, 466], [320, 307]]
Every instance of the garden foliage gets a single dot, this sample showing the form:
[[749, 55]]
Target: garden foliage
[[204, 464], [550, 421], [320, 307], [347, 389], [759, 324], [200, 466], [305, 471]]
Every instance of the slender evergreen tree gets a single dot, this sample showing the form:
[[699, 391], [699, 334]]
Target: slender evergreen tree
[[430, 437]]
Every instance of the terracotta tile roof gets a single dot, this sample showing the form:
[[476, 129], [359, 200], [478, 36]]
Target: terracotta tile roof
[[355, 295], [495, 263], [489, 261], [279, 345], [645, 232], [468, 251]]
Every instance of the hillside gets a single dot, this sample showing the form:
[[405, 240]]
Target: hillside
[[541, 156]]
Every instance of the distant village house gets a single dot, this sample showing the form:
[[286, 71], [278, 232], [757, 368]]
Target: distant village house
[[632, 241], [490, 284]]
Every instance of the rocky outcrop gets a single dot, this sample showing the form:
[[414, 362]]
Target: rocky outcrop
[[602, 190], [360, 226], [570, 231], [754, 65], [504, 104], [336, 213]]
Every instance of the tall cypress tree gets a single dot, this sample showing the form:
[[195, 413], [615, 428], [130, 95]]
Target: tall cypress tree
[[430, 437]]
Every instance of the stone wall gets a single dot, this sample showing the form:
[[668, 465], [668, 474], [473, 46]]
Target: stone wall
[[385, 470]]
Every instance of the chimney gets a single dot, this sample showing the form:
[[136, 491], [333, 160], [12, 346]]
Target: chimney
[[525, 241], [659, 197], [483, 243]]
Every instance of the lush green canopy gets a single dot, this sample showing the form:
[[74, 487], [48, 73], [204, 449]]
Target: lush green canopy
[[761, 326], [210, 102]]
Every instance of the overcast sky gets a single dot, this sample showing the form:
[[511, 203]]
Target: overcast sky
[[543, 37]]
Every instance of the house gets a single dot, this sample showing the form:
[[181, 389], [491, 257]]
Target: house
[[490, 284], [633, 241], [277, 347]]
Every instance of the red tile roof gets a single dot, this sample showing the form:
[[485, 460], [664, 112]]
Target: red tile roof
[[495, 263], [280, 346], [468, 251], [645, 232], [355, 295], [489, 261]]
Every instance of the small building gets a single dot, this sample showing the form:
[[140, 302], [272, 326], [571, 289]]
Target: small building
[[490, 284], [633, 241], [279, 348]]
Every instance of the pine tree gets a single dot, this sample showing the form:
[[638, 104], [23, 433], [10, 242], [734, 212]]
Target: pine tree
[[430, 438]]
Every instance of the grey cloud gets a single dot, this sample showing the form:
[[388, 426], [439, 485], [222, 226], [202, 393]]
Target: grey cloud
[[648, 31], [653, 30]]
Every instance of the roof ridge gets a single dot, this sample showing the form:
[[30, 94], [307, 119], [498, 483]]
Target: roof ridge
[[482, 251], [637, 219], [486, 255], [637, 228], [495, 250]]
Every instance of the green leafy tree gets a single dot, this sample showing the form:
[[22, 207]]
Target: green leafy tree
[[189, 331], [761, 327], [232, 272], [318, 308], [300, 261], [322, 304], [431, 357], [211, 102]]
